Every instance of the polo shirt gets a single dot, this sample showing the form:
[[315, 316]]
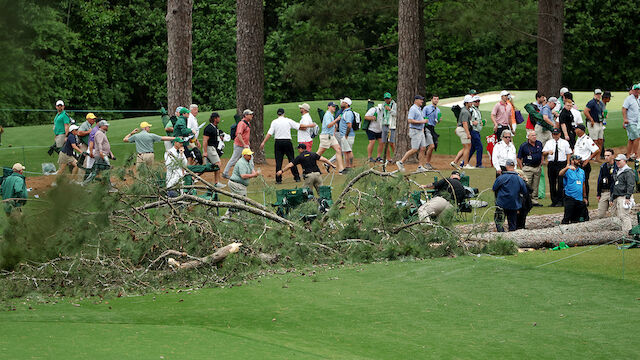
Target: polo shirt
[[347, 118], [59, 121], [566, 118], [309, 162], [564, 149], [465, 117], [92, 134], [584, 147], [280, 128], [242, 167], [415, 114], [595, 110], [577, 116], [430, 112], [531, 155], [304, 135], [326, 120], [101, 143], [632, 104], [213, 133], [573, 180], [144, 141], [389, 116], [67, 148], [502, 113], [85, 126], [242, 130], [546, 110]]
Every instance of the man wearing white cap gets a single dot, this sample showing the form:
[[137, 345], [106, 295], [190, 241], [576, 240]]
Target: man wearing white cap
[[561, 100], [631, 117], [416, 133], [65, 157], [102, 147], [304, 134], [622, 191], [594, 112], [144, 143], [14, 187], [501, 114], [346, 135], [463, 130], [61, 123]]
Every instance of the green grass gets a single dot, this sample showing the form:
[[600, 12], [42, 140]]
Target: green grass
[[28, 144], [468, 307]]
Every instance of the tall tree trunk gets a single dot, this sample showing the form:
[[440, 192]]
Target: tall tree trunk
[[250, 78], [550, 46], [179, 63], [408, 68], [422, 74]]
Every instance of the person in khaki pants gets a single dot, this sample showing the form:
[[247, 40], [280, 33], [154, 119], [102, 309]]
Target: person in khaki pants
[[622, 191], [309, 162], [605, 184], [530, 161], [144, 143]]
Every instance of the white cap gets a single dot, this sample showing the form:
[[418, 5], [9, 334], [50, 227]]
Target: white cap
[[476, 98], [305, 106], [621, 157], [73, 127], [564, 90], [553, 99], [597, 91], [504, 93], [467, 99], [103, 123], [247, 112], [59, 102], [18, 167], [346, 100]]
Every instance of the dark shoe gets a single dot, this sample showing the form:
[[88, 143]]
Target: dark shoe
[[537, 204], [298, 180], [479, 167], [279, 182], [52, 148], [378, 159], [371, 159], [326, 166]]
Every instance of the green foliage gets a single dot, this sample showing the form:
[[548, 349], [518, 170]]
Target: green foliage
[[496, 247]]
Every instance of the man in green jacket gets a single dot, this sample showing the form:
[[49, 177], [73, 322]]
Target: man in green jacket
[[180, 129], [14, 187]]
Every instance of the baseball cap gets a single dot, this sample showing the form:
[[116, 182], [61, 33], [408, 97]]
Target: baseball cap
[[504, 93], [476, 98], [305, 106], [621, 157], [575, 157], [606, 94], [553, 99], [581, 127], [184, 110], [103, 123], [473, 92], [468, 99], [455, 172], [387, 95], [59, 102], [510, 162], [179, 140], [331, 103], [178, 109], [90, 116], [18, 167], [73, 127], [418, 97], [302, 146], [247, 112], [144, 124], [346, 100], [280, 111], [555, 131], [564, 90], [597, 91], [247, 151], [635, 87]]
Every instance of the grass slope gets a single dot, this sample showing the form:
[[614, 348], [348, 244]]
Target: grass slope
[[466, 307]]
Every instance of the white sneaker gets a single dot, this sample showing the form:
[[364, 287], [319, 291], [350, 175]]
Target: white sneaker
[[421, 169], [220, 185], [400, 166], [468, 167], [454, 165]]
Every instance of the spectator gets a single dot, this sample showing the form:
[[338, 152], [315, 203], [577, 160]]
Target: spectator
[[211, 138], [374, 132], [512, 117], [448, 191], [557, 151], [309, 162], [594, 114], [530, 161], [144, 143], [66, 157], [83, 134], [416, 133], [241, 142], [509, 189], [14, 187], [192, 123], [61, 123], [327, 135], [463, 130], [306, 123], [606, 98], [587, 150], [575, 190], [280, 129], [549, 117], [476, 126], [102, 146], [501, 113], [168, 123], [605, 183], [567, 121], [242, 172], [347, 135], [631, 117], [180, 128], [92, 144], [561, 100], [539, 103], [527, 205], [176, 162], [504, 150], [622, 192], [389, 116], [433, 114]]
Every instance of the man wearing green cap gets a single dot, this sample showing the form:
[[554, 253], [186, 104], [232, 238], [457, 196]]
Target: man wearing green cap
[[389, 115], [144, 143], [180, 129], [176, 162]]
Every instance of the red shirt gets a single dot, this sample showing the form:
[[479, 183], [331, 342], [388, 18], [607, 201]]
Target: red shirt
[[242, 130]]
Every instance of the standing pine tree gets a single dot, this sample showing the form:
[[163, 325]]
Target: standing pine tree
[[179, 62], [550, 46]]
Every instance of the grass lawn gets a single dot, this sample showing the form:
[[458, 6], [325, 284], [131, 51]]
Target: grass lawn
[[467, 307]]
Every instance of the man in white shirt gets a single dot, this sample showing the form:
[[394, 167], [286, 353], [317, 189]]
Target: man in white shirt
[[587, 150], [631, 117], [503, 151], [304, 135], [192, 123], [176, 162], [280, 129], [374, 131], [557, 151]]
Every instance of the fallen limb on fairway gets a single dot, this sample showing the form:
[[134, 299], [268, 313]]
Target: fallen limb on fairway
[[212, 259], [595, 232]]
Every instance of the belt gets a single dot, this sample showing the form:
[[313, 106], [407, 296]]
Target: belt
[[145, 153]]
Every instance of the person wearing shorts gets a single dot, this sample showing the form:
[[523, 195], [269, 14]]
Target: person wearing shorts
[[416, 133], [594, 113], [210, 142], [327, 135], [347, 135], [65, 157], [309, 162], [304, 134], [389, 114], [631, 118], [464, 133], [374, 132], [61, 124]]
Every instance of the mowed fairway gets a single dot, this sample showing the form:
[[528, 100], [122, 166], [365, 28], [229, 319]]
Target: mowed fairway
[[468, 307]]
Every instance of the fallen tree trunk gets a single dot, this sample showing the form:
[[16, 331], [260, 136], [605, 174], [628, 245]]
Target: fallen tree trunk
[[212, 259], [600, 231]]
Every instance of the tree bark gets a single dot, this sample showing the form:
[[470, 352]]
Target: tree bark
[[250, 72], [408, 68], [179, 62], [422, 62], [212, 259], [550, 46]]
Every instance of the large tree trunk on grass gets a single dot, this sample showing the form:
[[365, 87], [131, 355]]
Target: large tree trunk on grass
[[408, 68], [212, 259], [250, 68], [179, 62], [550, 46]]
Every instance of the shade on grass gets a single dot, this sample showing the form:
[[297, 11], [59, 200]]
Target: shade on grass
[[481, 308]]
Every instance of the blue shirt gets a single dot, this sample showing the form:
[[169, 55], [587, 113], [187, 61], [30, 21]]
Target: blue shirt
[[531, 155], [595, 110], [347, 118], [508, 188], [546, 110], [415, 114], [326, 120], [430, 112], [573, 180]]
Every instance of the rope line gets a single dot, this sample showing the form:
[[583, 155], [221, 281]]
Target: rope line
[[84, 110], [576, 254]]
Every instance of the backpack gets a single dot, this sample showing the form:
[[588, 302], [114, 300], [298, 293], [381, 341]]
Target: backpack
[[233, 129], [456, 110]]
